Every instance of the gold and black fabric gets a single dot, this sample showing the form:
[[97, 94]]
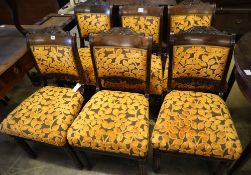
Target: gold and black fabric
[[92, 17], [116, 121], [143, 19], [192, 122], [184, 16], [113, 121], [156, 74], [196, 56], [46, 115], [196, 123]]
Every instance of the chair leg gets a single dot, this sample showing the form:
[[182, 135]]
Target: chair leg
[[72, 154], [86, 161], [245, 157], [24, 145], [222, 168], [142, 167], [156, 161]]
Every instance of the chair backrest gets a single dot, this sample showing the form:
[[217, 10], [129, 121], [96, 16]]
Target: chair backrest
[[187, 14], [56, 56], [143, 19], [92, 16], [200, 57], [121, 55]]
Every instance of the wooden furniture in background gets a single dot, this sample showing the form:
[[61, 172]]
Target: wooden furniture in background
[[29, 11], [243, 62], [14, 60]]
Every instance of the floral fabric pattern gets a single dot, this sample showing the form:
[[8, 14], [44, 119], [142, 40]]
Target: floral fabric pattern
[[196, 123], [149, 25], [54, 59], [155, 80], [185, 22], [113, 121], [93, 23], [45, 116], [121, 62]]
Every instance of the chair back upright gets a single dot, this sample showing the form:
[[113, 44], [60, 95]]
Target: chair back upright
[[121, 54], [143, 19], [200, 57], [56, 56], [92, 16], [187, 14]]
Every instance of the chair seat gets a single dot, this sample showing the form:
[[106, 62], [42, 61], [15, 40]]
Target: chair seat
[[156, 74], [196, 123], [45, 116], [112, 121]]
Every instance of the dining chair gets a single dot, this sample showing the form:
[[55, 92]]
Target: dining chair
[[92, 16], [46, 115], [182, 17], [116, 121], [147, 19], [193, 122]]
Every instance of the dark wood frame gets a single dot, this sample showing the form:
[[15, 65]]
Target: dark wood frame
[[92, 6], [156, 11], [61, 39], [189, 38], [123, 37]]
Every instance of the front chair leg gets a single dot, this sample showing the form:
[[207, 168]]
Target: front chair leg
[[222, 168], [24, 145], [86, 161], [156, 161], [71, 153], [142, 166]]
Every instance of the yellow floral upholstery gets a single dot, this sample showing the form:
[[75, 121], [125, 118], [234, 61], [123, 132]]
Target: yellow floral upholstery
[[155, 81], [112, 121], [121, 62], [93, 23], [44, 116], [198, 61], [149, 25], [185, 22], [54, 59], [196, 123], [86, 61]]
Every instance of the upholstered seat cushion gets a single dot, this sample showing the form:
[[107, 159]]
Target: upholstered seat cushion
[[196, 123], [155, 81], [44, 116], [112, 121]]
